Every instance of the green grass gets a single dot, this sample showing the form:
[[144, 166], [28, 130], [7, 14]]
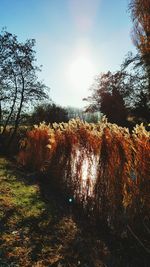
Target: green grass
[[39, 232], [37, 229]]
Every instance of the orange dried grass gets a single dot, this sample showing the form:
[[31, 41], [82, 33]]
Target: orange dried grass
[[62, 149]]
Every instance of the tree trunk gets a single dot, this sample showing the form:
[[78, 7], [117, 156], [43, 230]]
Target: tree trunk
[[19, 112], [12, 108], [0, 118]]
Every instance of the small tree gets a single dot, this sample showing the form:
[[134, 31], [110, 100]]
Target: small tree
[[108, 95], [19, 83]]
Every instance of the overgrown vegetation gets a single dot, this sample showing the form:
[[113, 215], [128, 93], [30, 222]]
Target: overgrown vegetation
[[117, 192], [86, 202], [39, 227]]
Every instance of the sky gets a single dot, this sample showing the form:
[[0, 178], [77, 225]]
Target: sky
[[75, 40]]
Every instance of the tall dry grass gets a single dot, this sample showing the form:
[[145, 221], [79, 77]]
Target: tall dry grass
[[104, 167]]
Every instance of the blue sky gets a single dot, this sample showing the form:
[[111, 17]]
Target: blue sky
[[75, 40]]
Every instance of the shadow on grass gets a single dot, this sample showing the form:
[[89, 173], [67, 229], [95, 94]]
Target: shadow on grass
[[39, 228]]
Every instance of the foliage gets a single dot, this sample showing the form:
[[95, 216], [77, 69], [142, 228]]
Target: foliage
[[102, 166], [139, 101], [122, 94], [41, 231], [14, 147], [36, 144], [140, 12], [19, 84], [133, 86], [49, 113], [141, 141], [109, 95]]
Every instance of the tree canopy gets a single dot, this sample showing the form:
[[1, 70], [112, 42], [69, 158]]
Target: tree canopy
[[49, 113], [20, 87], [108, 93], [140, 14], [127, 92]]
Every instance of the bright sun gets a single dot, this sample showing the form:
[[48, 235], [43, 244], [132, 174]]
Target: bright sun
[[80, 71]]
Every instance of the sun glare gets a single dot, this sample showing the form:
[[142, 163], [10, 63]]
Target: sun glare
[[80, 71]]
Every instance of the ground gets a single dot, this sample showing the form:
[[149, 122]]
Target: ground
[[36, 231], [37, 227]]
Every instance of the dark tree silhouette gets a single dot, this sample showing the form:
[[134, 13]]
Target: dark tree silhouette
[[142, 107], [113, 106], [49, 113], [140, 14], [108, 95], [19, 85]]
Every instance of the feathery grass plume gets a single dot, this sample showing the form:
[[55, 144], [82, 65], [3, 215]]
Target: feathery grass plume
[[104, 167], [141, 198], [37, 147]]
